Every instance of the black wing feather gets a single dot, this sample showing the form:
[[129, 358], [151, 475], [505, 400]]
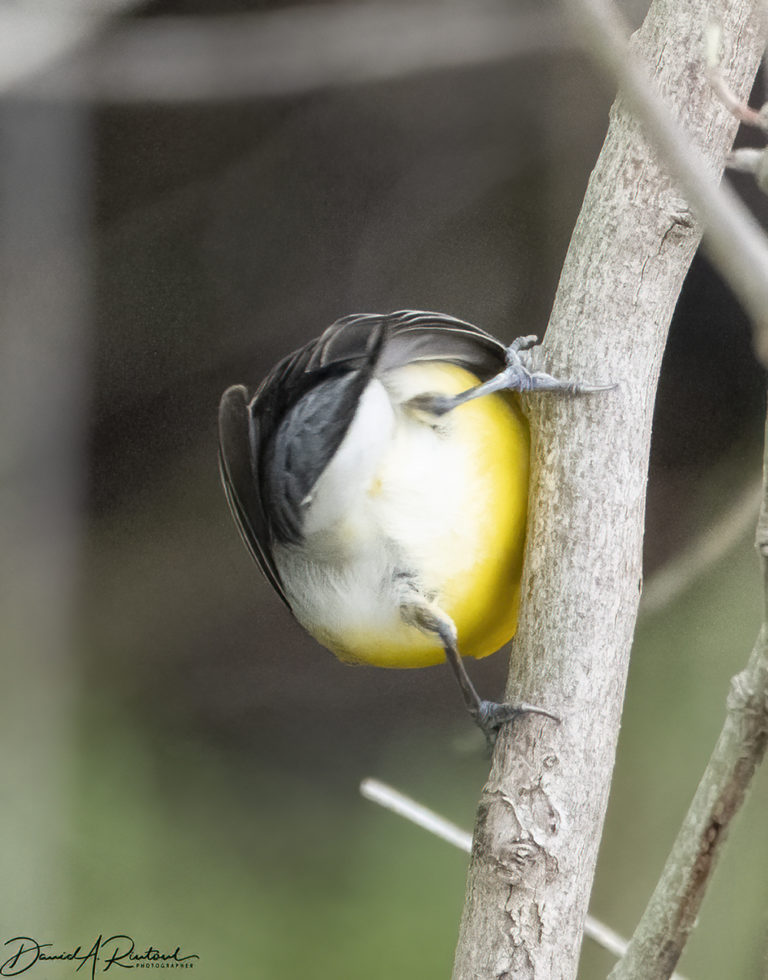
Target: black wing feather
[[240, 479], [419, 336], [273, 447]]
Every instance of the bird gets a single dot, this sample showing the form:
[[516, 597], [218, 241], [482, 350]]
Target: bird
[[379, 476]]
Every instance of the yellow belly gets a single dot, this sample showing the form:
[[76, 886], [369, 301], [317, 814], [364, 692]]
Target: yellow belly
[[470, 558]]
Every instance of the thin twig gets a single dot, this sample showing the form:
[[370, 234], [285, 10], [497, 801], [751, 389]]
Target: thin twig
[[678, 574], [732, 236], [745, 160], [736, 106], [744, 113], [671, 913], [296, 50], [34, 38], [404, 806]]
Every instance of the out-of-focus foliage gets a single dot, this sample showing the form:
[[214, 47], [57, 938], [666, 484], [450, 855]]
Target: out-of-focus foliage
[[180, 761]]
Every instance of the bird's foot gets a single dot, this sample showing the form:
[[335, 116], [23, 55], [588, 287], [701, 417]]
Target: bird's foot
[[516, 376], [491, 715]]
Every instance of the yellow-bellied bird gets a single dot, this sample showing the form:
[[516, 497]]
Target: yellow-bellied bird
[[379, 477]]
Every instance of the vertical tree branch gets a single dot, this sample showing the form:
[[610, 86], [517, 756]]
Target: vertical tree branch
[[733, 239], [671, 913], [542, 809], [392, 799]]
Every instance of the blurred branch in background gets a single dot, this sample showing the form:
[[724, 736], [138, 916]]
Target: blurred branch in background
[[44, 312], [672, 911], [406, 807], [44, 306], [697, 558], [733, 238], [300, 49], [34, 35]]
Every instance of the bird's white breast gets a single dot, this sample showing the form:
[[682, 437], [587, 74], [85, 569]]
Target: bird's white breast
[[337, 502], [401, 501]]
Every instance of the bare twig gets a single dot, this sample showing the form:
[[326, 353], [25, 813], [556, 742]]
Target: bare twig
[[737, 107], [35, 36], [404, 806], [678, 574], [299, 49], [746, 159], [732, 236], [671, 913], [417, 813]]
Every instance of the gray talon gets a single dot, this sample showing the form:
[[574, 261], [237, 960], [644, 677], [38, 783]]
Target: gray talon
[[491, 715]]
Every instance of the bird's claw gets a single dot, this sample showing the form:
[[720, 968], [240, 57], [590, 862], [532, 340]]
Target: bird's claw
[[491, 715], [520, 378]]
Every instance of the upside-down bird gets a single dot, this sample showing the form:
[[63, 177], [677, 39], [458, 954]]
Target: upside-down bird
[[379, 477]]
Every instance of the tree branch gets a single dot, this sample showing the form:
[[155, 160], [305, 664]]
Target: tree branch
[[739, 249], [34, 37], [697, 558], [297, 49], [543, 806], [734, 239], [392, 799], [671, 913]]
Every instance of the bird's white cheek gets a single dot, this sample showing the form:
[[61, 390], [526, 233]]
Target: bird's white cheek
[[344, 483]]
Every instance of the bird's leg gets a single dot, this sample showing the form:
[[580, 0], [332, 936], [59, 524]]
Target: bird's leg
[[514, 377], [488, 715]]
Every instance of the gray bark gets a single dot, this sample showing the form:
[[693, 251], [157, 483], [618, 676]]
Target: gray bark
[[542, 809]]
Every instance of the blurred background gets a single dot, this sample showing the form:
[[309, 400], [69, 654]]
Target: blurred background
[[189, 189]]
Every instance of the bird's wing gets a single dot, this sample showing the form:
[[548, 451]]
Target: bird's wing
[[411, 335], [419, 336], [274, 445], [240, 479]]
